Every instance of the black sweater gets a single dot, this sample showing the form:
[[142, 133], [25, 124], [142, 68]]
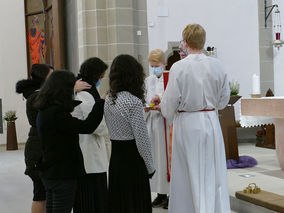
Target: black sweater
[[29, 89], [59, 135]]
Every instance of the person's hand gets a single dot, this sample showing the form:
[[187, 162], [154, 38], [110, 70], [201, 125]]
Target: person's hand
[[147, 109], [81, 85], [157, 107], [156, 100]]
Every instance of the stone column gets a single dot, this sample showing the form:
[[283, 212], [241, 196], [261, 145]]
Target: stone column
[[109, 28], [265, 49], [71, 23]]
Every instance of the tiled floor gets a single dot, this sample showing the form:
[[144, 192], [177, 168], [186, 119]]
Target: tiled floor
[[15, 187], [267, 174]]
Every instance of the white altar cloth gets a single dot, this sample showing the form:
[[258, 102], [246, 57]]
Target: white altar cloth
[[253, 121]]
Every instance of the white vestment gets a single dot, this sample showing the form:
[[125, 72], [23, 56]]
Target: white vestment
[[156, 129], [199, 176], [93, 146]]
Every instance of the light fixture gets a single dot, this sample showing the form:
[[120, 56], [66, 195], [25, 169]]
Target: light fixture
[[277, 27]]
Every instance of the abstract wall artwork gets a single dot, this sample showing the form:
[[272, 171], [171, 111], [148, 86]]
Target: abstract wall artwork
[[44, 21], [37, 42]]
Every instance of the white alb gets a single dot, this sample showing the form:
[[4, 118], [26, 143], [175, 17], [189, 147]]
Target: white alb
[[199, 176], [155, 124]]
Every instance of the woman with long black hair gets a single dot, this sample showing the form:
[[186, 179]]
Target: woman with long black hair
[[131, 163], [33, 153], [62, 161]]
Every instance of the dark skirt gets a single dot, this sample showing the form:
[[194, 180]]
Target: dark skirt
[[91, 194], [129, 188]]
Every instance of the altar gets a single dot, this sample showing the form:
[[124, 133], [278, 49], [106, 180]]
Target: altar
[[268, 107]]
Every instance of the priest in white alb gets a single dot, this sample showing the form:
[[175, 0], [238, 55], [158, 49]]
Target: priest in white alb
[[198, 87]]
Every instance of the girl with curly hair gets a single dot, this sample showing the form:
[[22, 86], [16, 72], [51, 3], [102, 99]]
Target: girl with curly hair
[[131, 163]]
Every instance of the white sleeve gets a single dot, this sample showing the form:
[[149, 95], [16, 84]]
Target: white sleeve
[[101, 130], [77, 112], [86, 107], [147, 91], [171, 98], [87, 103], [225, 93]]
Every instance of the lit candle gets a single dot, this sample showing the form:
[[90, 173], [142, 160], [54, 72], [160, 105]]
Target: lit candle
[[255, 84]]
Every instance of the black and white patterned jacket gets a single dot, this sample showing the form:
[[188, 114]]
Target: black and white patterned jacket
[[125, 121]]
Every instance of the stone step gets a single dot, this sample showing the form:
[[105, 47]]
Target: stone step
[[241, 206]]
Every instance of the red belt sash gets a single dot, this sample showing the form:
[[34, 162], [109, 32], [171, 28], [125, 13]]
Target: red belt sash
[[203, 110]]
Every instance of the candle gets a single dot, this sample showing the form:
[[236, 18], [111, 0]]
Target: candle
[[255, 84], [277, 36]]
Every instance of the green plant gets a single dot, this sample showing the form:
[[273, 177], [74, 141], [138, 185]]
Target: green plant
[[235, 88], [10, 116]]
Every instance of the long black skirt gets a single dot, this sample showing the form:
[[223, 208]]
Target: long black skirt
[[91, 194], [129, 188]]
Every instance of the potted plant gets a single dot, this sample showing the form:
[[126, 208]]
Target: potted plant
[[12, 143], [235, 88]]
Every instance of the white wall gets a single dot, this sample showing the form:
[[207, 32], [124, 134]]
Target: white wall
[[13, 63], [279, 57], [232, 27]]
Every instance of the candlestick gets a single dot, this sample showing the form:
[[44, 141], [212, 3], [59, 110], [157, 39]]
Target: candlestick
[[255, 84]]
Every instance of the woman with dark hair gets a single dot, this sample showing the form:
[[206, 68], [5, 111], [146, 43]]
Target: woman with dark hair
[[131, 163], [30, 88], [62, 161], [91, 195]]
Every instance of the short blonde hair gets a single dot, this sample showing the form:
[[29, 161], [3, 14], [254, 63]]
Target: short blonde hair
[[195, 36], [157, 55]]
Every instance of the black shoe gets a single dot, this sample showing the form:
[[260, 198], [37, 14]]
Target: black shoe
[[165, 206], [160, 201]]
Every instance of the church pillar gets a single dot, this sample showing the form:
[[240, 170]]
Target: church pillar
[[265, 50], [109, 28]]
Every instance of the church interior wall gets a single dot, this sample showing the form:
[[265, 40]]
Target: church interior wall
[[232, 27], [13, 65], [108, 28]]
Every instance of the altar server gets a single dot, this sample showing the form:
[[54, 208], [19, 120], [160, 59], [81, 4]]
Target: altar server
[[156, 127], [198, 87]]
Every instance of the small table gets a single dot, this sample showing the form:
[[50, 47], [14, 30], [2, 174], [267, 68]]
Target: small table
[[272, 107]]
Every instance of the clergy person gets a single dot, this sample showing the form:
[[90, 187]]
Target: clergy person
[[198, 87], [156, 127]]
